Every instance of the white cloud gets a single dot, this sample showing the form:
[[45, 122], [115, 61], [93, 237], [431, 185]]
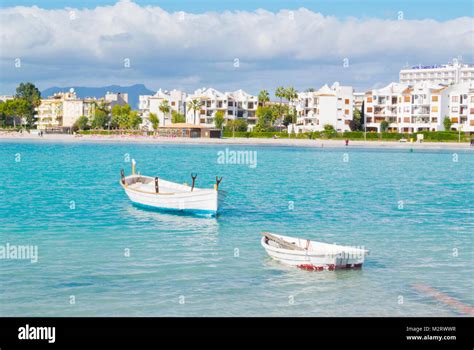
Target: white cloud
[[196, 48]]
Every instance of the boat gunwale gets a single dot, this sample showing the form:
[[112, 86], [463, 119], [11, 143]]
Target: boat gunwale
[[126, 187], [305, 252]]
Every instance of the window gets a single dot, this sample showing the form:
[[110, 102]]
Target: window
[[369, 109], [434, 109], [346, 101], [454, 109], [455, 99], [434, 98], [471, 111], [406, 99], [369, 99], [472, 99], [346, 112]]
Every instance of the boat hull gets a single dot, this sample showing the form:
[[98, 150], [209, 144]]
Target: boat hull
[[198, 202], [321, 257]]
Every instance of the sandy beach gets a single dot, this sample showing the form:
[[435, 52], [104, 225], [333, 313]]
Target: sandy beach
[[235, 141]]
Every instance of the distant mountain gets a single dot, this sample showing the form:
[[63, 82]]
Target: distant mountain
[[133, 92]]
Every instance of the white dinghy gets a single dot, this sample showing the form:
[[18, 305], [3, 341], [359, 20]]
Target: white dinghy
[[156, 193], [312, 255]]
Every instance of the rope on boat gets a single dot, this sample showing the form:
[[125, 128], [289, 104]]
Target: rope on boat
[[193, 176]]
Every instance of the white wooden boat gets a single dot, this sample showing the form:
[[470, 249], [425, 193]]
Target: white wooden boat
[[311, 255], [156, 193]]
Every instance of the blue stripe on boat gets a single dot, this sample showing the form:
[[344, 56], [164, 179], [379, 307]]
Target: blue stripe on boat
[[199, 212]]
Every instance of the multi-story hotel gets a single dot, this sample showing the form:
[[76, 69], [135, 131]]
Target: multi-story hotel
[[329, 105], [461, 106], [151, 104], [235, 105], [63, 108], [422, 107], [451, 73]]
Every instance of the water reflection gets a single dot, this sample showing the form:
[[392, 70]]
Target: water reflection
[[175, 222]]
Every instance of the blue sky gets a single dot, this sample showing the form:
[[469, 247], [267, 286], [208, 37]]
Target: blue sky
[[414, 9], [228, 45]]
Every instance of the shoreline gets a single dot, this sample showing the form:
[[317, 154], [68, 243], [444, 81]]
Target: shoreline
[[66, 138]]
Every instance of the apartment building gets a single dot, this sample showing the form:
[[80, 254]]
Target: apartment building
[[358, 100], [329, 105], [151, 104], [116, 98], [235, 105], [451, 73], [63, 108], [461, 106], [421, 107]]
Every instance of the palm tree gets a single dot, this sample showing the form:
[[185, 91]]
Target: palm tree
[[280, 93], [165, 109], [291, 95], [195, 106], [263, 97]]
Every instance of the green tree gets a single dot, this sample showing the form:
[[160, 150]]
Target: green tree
[[310, 90], [82, 123], [195, 106], [238, 125], [29, 93], [17, 109], [329, 130], [3, 115], [120, 116], [154, 120], [447, 123], [263, 97], [356, 123], [280, 93], [265, 118], [219, 119], [288, 118], [133, 120], [165, 109], [100, 119], [177, 117], [384, 125], [291, 94]]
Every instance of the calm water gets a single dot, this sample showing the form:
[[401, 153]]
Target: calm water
[[187, 266]]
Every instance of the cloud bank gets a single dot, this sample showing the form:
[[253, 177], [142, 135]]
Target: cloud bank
[[128, 43]]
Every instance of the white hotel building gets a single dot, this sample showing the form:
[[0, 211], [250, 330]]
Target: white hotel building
[[151, 104], [451, 73], [421, 107], [235, 105], [329, 105]]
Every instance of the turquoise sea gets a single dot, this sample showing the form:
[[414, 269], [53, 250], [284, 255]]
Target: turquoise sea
[[98, 255]]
